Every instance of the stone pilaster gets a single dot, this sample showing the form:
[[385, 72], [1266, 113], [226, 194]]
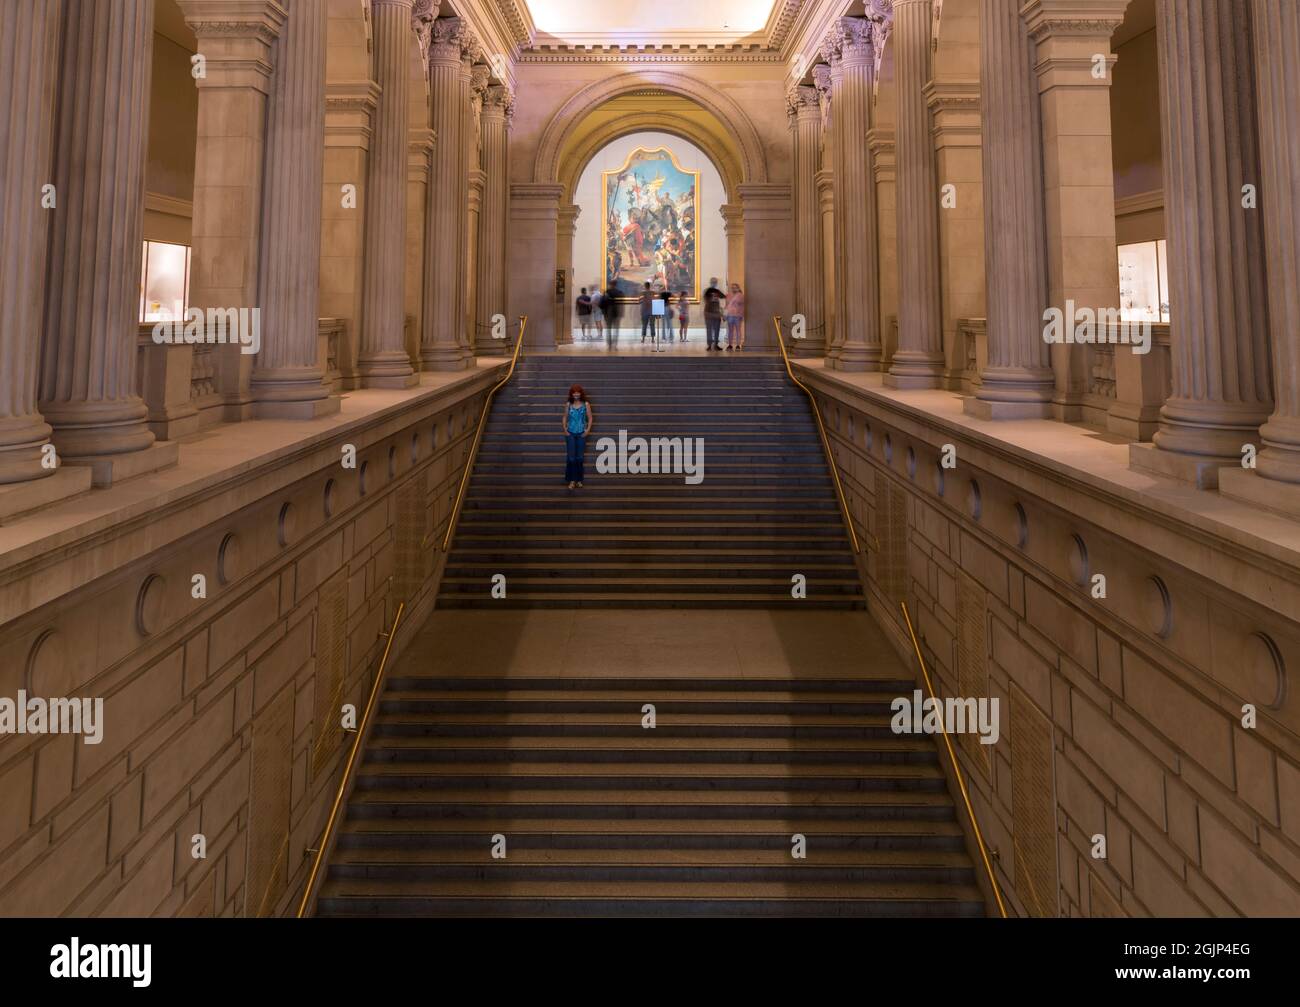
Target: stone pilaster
[[918, 361], [809, 285], [955, 108], [766, 239], [497, 106], [383, 361], [440, 341], [849, 48], [237, 45], [29, 35], [1018, 380], [1073, 63], [880, 145], [419, 151], [92, 298], [534, 221], [566, 227], [733, 228], [1217, 293], [826, 211]]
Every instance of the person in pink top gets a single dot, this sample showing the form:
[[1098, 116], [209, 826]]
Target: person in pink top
[[735, 312]]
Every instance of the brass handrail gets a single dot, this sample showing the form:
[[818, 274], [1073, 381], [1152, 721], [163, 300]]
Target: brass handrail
[[324, 845], [478, 436], [826, 441], [956, 767]]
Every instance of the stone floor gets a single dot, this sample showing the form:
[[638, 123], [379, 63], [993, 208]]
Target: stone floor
[[666, 643]]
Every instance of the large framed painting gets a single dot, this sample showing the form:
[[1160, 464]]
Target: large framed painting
[[648, 232]]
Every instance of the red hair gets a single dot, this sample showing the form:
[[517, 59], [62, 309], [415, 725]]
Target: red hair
[[582, 394]]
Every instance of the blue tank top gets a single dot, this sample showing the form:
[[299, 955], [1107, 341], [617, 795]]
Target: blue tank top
[[577, 418]]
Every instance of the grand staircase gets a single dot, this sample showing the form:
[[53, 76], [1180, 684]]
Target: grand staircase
[[603, 816], [765, 511], [489, 788]]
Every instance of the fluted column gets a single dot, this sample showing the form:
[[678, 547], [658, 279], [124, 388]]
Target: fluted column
[[805, 111], [1017, 382], [480, 78], [497, 104], [918, 361], [29, 36], [92, 302], [850, 50], [287, 381], [383, 361], [470, 53], [440, 345], [821, 74], [1277, 75], [1217, 295]]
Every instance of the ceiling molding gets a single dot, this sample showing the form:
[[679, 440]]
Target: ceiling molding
[[668, 53]]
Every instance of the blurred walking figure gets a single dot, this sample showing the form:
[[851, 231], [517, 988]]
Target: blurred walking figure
[[648, 314], [577, 424], [683, 316], [736, 318], [613, 316], [712, 314], [584, 313], [666, 320], [598, 311]]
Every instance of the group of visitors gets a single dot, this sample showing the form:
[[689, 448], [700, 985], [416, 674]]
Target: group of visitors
[[600, 312]]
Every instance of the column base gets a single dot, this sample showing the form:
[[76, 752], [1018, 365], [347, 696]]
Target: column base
[[387, 370], [857, 359], [914, 369], [61, 484], [1201, 471], [296, 409], [450, 359], [1137, 423], [105, 470], [989, 409], [1258, 491], [807, 349]]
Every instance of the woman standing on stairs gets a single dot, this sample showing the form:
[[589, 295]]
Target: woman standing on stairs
[[577, 423]]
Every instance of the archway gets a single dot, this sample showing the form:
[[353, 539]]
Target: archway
[[682, 107]]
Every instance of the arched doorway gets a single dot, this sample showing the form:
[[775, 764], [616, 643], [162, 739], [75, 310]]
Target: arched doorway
[[687, 239], [756, 214]]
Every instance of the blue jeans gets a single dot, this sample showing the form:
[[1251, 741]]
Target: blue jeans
[[712, 327], [575, 446]]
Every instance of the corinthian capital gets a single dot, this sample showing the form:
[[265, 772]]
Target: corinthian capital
[[850, 38], [479, 75], [801, 97], [422, 15], [445, 36], [498, 96], [821, 74]]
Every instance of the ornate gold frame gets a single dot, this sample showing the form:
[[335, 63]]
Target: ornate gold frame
[[604, 211]]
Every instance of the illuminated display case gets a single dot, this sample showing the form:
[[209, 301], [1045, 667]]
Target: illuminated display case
[[1144, 282], [164, 281]]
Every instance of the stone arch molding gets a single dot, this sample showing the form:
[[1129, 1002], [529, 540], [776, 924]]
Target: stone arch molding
[[576, 162], [546, 167]]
